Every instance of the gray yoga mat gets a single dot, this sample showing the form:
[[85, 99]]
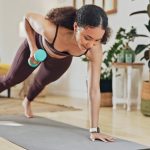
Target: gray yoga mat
[[45, 134]]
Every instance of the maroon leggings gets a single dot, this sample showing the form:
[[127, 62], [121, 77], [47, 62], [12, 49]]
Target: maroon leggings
[[49, 70]]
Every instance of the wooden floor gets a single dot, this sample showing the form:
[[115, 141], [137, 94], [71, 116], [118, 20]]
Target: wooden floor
[[119, 123]]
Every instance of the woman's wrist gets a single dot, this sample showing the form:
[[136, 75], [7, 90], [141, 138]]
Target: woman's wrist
[[94, 130]]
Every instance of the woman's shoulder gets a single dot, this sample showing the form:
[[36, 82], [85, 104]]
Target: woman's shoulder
[[51, 30], [64, 31]]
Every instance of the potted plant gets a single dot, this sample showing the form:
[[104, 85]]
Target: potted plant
[[121, 44], [145, 104], [125, 37]]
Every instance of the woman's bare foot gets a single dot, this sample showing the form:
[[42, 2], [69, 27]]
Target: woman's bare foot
[[27, 108]]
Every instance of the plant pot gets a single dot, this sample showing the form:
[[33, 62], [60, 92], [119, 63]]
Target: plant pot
[[145, 103], [126, 55], [129, 56], [145, 107], [121, 57], [106, 99], [105, 85], [106, 92], [146, 90]]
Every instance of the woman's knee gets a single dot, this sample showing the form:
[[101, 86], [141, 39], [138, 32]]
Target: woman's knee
[[36, 85], [11, 81], [35, 89]]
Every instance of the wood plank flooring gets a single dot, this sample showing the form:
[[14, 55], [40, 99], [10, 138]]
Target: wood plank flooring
[[119, 123]]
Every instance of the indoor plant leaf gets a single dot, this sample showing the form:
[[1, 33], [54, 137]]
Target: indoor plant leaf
[[146, 55], [148, 26], [140, 48], [148, 9], [139, 12]]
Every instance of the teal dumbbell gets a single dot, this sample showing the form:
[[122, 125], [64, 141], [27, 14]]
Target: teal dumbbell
[[40, 55]]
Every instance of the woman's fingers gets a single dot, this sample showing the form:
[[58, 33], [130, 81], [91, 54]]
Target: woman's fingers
[[33, 60], [110, 139], [102, 137]]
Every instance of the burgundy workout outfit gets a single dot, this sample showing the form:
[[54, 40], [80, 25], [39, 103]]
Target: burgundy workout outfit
[[49, 70]]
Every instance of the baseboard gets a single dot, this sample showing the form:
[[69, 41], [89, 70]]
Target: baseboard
[[76, 94]]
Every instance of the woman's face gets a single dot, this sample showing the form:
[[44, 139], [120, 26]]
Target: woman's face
[[88, 37]]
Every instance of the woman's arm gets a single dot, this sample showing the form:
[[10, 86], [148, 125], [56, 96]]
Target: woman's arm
[[36, 23], [94, 68], [30, 35], [95, 58]]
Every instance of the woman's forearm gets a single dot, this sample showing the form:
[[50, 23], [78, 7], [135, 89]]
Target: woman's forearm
[[94, 108], [35, 23], [30, 35]]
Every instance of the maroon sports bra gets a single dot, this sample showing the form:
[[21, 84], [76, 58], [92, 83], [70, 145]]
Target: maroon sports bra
[[55, 51]]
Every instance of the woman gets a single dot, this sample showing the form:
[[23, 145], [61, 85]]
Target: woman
[[63, 33]]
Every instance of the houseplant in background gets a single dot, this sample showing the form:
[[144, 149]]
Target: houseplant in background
[[119, 48], [126, 53], [145, 104], [118, 52]]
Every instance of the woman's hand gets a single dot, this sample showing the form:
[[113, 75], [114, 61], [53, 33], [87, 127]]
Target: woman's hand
[[33, 61], [32, 54], [31, 58], [101, 136]]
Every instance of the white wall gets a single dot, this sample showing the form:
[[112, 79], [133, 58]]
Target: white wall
[[73, 83], [122, 19], [77, 72], [11, 13]]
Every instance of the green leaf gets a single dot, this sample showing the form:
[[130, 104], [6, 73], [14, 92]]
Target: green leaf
[[148, 26], [140, 48], [147, 55], [141, 35], [139, 12], [148, 9], [142, 58]]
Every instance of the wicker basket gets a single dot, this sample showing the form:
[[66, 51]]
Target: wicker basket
[[145, 107], [146, 91], [106, 99], [145, 103]]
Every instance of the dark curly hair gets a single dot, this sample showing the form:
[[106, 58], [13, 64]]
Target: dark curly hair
[[87, 15]]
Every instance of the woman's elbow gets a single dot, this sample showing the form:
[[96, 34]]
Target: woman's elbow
[[94, 94], [28, 15]]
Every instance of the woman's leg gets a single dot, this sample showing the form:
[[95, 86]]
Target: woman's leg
[[19, 70], [49, 71]]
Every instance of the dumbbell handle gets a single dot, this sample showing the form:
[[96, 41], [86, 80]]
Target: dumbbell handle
[[31, 64], [39, 56]]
